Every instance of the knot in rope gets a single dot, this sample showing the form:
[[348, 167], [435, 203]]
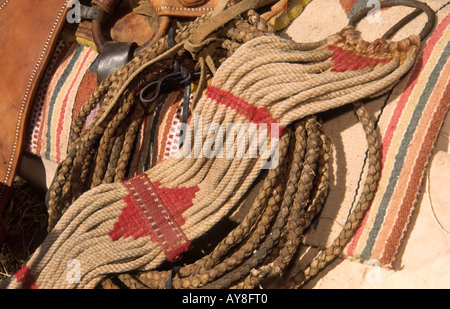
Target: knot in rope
[[195, 48]]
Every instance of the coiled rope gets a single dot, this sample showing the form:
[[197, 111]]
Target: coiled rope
[[100, 153]]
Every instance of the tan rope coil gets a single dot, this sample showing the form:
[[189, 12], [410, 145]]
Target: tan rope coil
[[92, 157]]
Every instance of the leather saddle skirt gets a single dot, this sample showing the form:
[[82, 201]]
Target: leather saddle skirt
[[29, 31]]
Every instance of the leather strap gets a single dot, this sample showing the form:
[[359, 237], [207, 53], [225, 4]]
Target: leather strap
[[25, 53], [106, 5], [221, 18], [91, 12], [420, 7]]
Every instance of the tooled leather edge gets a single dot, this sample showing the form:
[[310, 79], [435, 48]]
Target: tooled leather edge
[[3, 3], [21, 117], [184, 11]]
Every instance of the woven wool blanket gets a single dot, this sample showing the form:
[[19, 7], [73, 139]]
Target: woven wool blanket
[[69, 80], [409, 118]]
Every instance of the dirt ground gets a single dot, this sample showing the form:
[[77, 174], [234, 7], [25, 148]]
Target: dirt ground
[[26, 217]]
